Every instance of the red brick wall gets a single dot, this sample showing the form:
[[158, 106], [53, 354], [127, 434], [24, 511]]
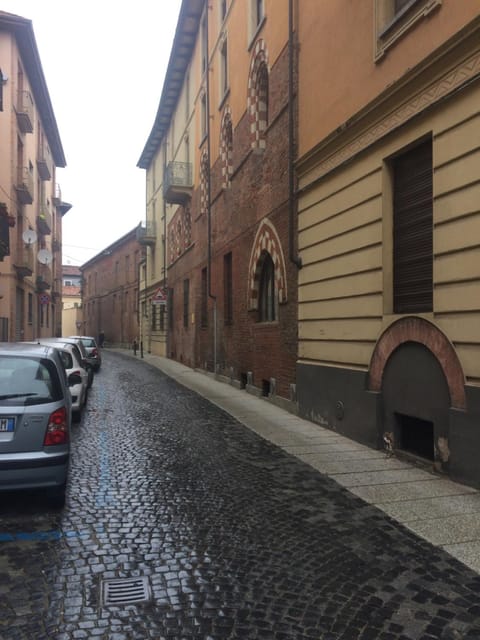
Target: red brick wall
[[111, 307], [259, 188]]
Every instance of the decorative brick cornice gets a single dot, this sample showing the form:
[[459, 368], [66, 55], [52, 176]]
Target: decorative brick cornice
[[442, 87]]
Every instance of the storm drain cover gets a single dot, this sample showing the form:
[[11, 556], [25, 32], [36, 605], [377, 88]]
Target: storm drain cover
[[125, 591]]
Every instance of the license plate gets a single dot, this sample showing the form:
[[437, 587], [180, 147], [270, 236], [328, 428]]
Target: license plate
[[7, 425]]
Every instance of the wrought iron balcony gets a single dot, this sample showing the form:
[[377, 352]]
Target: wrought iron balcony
[[24, 185], [44, 221], [177, 182], [147, 233], [44, 277], [43, 165], [57, 198], [24, 111], [24, 261]]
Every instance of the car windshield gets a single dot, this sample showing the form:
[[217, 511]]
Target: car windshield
[[27, 381]]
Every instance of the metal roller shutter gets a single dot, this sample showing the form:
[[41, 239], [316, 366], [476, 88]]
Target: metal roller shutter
[[413, 231]]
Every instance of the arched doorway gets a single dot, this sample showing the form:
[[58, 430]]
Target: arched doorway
[[416, 403]]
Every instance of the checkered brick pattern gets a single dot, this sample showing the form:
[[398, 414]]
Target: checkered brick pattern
[[226, 148], [204, 169], [266, 241], [172, 253], [180, 233], [257, 98], [187, 239]]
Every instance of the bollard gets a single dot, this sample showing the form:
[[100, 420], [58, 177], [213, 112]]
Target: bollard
[[141, 348]]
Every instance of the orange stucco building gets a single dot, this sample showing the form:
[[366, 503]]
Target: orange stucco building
[[31, 205]]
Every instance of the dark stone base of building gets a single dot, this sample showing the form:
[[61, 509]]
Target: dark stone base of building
[[443, 438]]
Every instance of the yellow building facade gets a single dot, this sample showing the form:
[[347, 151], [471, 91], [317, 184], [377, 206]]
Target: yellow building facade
[[31, 205], [389, 223]]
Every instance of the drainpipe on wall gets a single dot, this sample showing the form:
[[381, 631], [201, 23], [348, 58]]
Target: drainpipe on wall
[[209, 206], [292, 201]]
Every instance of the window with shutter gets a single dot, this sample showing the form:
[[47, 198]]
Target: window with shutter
[[413, 231]]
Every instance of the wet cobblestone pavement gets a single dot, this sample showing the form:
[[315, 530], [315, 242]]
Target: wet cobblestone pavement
[[235, 537]]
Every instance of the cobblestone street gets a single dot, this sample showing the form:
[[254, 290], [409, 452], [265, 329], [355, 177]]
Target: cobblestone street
[[235, 538]]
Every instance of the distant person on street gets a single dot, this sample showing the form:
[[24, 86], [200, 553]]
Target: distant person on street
[[101, 339]]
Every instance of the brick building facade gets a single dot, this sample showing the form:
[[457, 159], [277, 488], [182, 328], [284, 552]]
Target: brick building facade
[[110, 282], [229, 231]]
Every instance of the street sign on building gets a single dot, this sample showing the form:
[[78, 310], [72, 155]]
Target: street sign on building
[[160, 296]]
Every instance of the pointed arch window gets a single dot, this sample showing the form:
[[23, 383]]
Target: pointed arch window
[[262, 105], [258, 95], [226, 148], [266, 302]]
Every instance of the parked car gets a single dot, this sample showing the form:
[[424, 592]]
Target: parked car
[[35, 419], [94, 354], [83, 355], [72, 361]]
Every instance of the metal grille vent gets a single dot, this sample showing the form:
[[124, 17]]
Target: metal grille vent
[[125, 591]]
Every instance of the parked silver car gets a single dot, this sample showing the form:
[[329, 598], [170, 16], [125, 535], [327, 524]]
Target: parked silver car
[[35, 419], [94, 354], [83, 354], [72, 362]]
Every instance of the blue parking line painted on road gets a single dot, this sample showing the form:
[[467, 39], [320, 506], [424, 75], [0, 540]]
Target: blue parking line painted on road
[[104, 497], [41, 536]]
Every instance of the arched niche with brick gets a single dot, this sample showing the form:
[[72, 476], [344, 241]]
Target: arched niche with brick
[[226, 147], [415, 329], [257, 99]]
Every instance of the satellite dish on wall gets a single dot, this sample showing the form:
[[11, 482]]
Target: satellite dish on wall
[[29, 236], [44, 256]]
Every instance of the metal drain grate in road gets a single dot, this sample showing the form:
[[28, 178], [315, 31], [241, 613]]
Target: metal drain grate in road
[[125, 591]]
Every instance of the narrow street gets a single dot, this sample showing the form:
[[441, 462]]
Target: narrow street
[[217, 533]]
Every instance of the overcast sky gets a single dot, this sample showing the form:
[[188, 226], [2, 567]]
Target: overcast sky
[[104, 62]]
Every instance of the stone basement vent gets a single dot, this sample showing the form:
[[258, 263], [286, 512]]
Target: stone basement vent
[[124, 591]]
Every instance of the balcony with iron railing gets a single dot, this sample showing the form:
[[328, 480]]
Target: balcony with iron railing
[[177, 182], [147, 233], [24, 261], [44, 164], [57, 198], [44, 277], [44, 221], [24, 111], [24, 185]]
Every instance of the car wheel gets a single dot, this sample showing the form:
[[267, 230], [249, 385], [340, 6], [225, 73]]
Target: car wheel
[[76, 416]]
